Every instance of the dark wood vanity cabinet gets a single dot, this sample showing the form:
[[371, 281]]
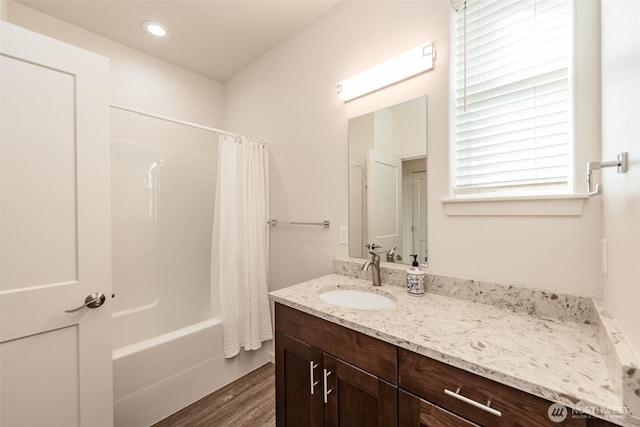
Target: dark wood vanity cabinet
[[329, 375]]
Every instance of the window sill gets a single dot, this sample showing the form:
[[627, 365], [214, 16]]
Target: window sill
[[557, 205]]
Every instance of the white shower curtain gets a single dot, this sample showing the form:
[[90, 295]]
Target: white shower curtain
[[240, 243]]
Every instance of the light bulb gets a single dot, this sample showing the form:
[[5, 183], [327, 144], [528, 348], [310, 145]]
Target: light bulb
[[154, 28]]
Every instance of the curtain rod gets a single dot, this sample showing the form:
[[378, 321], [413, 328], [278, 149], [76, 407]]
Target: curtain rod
[[180, 122]]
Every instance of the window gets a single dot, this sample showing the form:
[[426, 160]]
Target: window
[[512, 97]]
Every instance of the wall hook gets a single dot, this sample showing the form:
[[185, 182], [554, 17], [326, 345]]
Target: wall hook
[[620, 163]]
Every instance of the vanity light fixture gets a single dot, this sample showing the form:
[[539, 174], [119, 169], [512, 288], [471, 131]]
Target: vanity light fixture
[[155, 29], [407, 64]]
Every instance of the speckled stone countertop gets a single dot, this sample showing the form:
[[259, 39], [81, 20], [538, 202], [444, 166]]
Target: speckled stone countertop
[[564, 358]]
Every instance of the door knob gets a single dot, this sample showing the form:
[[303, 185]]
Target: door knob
[[93, 300]]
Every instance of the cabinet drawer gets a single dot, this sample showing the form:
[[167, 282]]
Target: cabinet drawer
[[415, 412], [429, 379], [367, 353]]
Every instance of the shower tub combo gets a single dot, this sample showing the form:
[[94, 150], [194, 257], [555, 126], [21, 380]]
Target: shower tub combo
[[168, 344]]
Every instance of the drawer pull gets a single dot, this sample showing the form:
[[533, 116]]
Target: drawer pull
[[314, 383], [325, 389], [471, 402]]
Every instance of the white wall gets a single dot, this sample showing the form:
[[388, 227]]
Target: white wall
[[137, 79], [621, 132], [410, 130], [4, 10], [361, 129], [383, 131], [288, 96]]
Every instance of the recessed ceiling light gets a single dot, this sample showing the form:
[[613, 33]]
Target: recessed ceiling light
[[154, 28]]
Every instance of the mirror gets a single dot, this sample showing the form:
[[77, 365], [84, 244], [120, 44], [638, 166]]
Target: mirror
[[388, 182]]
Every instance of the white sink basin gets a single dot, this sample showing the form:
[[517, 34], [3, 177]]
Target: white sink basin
[[352, 298]]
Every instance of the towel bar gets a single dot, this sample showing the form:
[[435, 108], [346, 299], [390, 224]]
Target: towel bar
[[274, 222]]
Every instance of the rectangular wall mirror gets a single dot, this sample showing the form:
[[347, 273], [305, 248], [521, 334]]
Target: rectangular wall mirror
[[388, 182]]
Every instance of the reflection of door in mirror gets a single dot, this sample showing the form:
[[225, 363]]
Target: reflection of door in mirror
[[419, 211], [384, 208], [415, 208], [387, 180]]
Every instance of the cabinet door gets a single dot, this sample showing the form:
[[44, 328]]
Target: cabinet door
[[355, 398], [298, 383], [415, 412]]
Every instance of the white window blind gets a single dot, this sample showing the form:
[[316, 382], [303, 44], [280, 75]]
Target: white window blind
[[512, 112]]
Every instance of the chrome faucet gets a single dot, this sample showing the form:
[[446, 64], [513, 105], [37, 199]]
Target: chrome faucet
[[391, 254], [374, 263]]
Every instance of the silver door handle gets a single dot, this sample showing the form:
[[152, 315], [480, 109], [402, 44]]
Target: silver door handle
[[93, 300]]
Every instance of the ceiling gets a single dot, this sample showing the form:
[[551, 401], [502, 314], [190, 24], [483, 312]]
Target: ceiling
[[214, 38]]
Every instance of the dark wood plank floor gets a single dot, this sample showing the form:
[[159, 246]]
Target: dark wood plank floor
[[249, 401]]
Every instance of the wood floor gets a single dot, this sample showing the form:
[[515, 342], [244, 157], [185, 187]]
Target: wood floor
[[247, 402]]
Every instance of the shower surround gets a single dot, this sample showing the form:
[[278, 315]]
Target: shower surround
[[168, 343]]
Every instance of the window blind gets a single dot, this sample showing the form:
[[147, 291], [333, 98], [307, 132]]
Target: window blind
[[512, 112]]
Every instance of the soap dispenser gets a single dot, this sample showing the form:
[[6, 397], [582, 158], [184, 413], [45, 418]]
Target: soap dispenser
[[415, 278]]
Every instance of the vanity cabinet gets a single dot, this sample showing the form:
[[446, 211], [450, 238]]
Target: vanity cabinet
[[328, 375]]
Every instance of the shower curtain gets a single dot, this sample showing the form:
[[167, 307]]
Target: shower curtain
[[239, 253]]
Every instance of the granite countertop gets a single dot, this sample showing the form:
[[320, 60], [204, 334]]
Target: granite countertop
[[554, 358]]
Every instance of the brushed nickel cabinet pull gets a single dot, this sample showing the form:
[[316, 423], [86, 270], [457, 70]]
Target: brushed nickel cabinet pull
[[312, 366], [471, 402], [325, 389]]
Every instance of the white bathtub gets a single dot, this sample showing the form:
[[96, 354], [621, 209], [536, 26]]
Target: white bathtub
[[157, 377]]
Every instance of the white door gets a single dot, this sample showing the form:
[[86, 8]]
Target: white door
[[384, 200], [419, 214], [55, 367]]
